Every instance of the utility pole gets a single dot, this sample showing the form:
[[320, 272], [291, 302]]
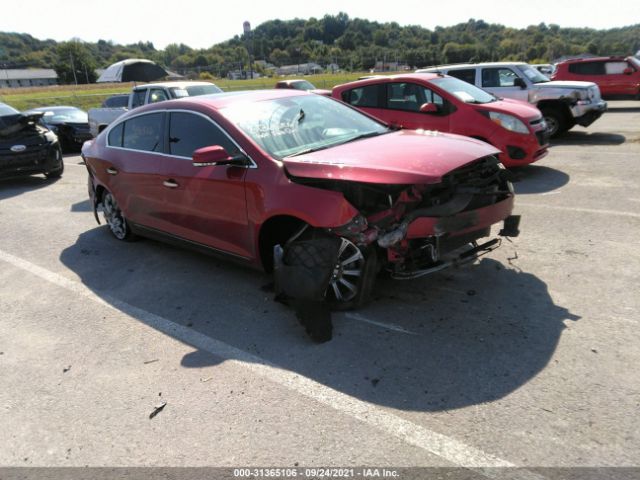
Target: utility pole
[[73, 69]]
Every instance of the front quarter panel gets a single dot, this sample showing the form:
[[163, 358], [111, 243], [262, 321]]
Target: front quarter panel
[[270, 193]]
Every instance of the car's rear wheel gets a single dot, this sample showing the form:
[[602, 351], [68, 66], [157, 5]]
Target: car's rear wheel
[[57, 172], [114, 218]]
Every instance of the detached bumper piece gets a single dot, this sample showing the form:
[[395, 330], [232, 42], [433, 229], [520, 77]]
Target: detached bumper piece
[[476, 251], [511, 225], [427, 258]]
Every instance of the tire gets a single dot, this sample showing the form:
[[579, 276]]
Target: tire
[[57, 173], [353, 278], [557, 122], [325, 269], [115, 219]]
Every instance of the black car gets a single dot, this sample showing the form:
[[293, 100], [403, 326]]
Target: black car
[[26, 147], [70, 124]]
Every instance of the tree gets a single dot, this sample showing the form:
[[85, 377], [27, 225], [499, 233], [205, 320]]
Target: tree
[[75, 64]]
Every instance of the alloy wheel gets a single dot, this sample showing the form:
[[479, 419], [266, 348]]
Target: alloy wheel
[[345, 278], [113, 216]]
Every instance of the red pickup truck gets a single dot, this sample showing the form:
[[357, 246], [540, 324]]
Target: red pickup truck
[[616, 76]]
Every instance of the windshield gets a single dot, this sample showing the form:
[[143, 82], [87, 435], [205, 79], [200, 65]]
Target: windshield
[[303, 85], [291, 126], [533, 75], [195, 91], [463, 91], [61, 115], [7, 110]]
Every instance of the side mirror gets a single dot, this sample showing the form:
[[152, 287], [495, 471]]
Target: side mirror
[[429, 108], [628, 71], [519, 82], [215, 155]]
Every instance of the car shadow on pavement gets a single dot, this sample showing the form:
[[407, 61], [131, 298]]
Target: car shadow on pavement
[[590, 138], [538, 179], [83, 206], [461, 338], [12, 187]]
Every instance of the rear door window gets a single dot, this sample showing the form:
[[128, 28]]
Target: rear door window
[[115, 135], [144, 133], [466, 75], [188, 132], [587, 68], [498, 77], [615, 68], [368, 96], [410, 96]]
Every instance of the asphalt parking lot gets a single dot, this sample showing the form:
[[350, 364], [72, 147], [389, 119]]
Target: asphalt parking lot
[[529, 357]]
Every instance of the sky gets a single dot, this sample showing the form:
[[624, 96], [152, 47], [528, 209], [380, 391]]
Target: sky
[[201, 24]]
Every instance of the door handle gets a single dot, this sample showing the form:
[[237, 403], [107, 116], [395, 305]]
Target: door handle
[[112, 171], [170, 183]]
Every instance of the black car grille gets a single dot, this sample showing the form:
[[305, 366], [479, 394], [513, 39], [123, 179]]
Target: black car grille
[[30, 157], [483, 178], [482, 173]]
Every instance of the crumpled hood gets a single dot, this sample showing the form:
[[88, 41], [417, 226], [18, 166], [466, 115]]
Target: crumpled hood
[[401, 158], [10, 124], [565, 84]]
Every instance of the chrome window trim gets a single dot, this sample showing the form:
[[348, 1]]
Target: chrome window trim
[[107, 131]]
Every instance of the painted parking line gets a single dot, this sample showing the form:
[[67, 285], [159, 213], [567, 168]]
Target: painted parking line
[[580, 209], [385, 325], [590, 151], [447, 448]]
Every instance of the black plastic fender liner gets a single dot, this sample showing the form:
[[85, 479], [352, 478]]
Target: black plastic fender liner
[[302, 269]]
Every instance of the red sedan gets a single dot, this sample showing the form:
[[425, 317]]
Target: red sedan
[[433, 101], [286, 179]]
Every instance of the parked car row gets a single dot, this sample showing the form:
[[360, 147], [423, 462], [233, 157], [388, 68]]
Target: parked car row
[[404, 174]]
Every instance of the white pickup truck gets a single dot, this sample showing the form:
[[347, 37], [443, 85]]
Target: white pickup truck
[[99, 118]]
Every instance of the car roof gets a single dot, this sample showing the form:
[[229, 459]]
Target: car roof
[[593, 59], [385, 78], [472, 65], [172, 84], [222, 100], [53, 109]]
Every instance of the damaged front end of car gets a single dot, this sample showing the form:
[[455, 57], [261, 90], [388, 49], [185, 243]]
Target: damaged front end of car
[[408, 230]]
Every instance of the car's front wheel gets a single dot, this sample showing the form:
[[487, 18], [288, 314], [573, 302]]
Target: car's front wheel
[[57, 172], [114, 218], [352, 278], [556, 120]]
